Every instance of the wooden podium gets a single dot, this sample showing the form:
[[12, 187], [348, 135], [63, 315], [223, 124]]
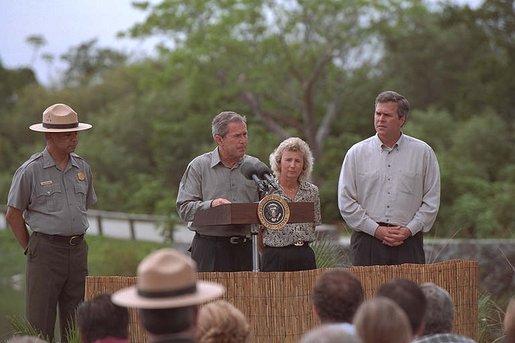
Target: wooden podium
[[247, 213]]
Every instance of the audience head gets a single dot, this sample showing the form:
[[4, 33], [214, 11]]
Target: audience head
[[100, 318], [381, 320], [336, 296], [293, 144], [167, 293], [221, 322], [408, 295], [440, 309], [328, 333], [509, 321]]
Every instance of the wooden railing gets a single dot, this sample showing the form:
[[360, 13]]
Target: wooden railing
[[131, 218], [100, 216]]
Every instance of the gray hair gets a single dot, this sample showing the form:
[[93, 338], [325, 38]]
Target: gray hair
[[401, 101], [220, 124], [293, 144], [439, 311]]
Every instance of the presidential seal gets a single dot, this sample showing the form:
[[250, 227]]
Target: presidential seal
[[273, 212]]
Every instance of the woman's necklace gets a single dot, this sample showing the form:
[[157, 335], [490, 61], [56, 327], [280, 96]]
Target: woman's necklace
[[291, 191]]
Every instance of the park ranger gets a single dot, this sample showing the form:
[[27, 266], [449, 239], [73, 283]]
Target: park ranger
[[49, 195]]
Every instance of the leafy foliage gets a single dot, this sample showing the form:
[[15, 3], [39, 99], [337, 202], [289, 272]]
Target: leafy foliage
[[295, 68], [329, 254], [22, 327]]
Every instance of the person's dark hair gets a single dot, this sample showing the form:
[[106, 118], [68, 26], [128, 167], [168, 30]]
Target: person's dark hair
[[99, 317], [409, 296], [391, 96], [168, 320], [440, 309], [220, 124], [337, 295]]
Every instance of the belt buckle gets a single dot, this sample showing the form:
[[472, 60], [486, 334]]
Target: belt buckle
[[299, 243], [234, 240], [72, 240]]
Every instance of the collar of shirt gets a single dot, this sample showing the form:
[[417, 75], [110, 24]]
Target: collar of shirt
[[215, 159], [383, 147], [48, 161]]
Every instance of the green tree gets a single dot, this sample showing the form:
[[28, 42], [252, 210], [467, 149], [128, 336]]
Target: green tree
[[305, 68], [37, 42], [286, 62], [87, 63]]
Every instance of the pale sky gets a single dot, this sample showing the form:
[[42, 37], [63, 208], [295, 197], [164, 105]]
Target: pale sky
[[66, 24]]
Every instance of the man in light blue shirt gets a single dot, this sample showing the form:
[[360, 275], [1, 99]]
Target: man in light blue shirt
[[389, 189]]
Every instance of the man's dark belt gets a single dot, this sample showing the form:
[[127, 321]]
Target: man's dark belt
[[227, 239], [386, 224], [69, 240]]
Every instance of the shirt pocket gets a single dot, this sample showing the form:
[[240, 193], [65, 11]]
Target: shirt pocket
[[368, 182], [49, 198], [81, 191], [408, 182]]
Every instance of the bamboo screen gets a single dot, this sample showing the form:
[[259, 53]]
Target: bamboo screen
[[278, 306]]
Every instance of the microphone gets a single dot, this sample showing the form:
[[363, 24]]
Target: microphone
[[264, 172], [250, 172]]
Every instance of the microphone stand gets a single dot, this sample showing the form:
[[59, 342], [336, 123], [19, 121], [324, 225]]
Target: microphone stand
[[254, 228]]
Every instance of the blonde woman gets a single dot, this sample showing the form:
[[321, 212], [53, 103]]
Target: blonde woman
[[381, 320], [222, 322], [288, 249]]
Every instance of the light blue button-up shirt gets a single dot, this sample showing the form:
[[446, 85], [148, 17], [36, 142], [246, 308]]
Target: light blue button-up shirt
[[398, 185]]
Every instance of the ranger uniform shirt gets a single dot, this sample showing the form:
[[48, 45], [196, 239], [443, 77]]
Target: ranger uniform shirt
[[398, 185], [54, 202]]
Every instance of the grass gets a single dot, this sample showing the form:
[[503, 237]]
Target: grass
[[107, 256], [329, 254], [491, 317]]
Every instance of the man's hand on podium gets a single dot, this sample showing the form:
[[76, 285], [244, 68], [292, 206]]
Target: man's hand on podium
[[219, 201]]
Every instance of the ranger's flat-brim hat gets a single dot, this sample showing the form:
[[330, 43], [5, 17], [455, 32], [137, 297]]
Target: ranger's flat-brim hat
[[60, 118], [167, 279]]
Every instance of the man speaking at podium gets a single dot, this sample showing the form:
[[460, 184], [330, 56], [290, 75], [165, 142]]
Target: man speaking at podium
[[213, 179]]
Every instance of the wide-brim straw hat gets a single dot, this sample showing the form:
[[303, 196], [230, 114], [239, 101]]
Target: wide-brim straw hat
[[167, 279], [60, 118]]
